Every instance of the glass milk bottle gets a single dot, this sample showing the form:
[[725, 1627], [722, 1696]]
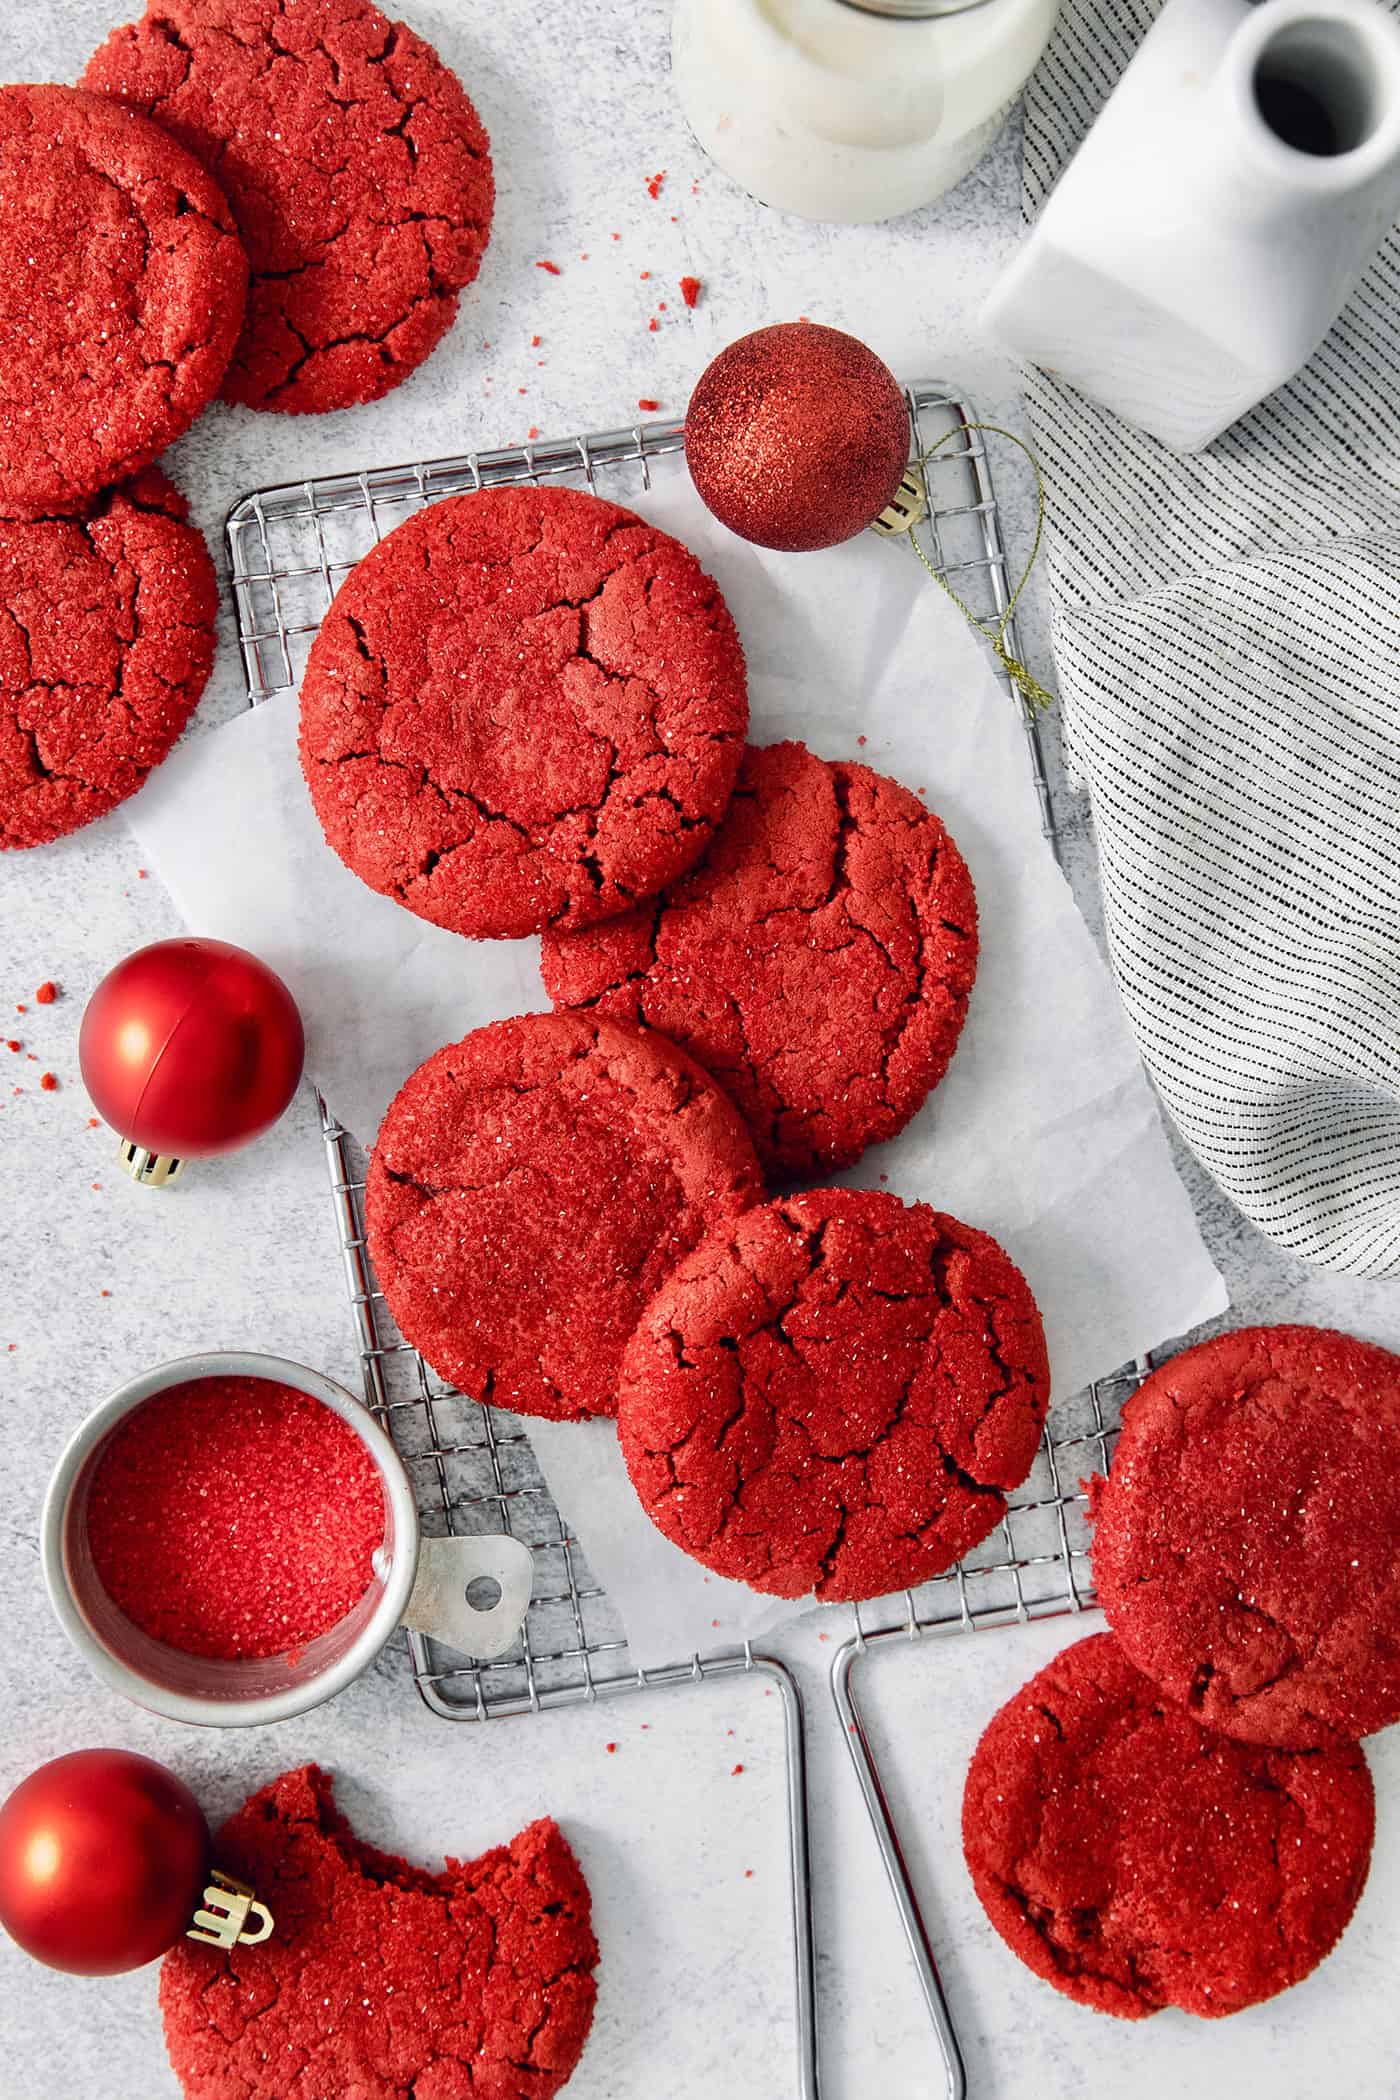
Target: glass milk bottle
[[852, 110]]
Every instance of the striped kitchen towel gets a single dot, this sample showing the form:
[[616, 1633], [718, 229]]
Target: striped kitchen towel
[[1227, 634]]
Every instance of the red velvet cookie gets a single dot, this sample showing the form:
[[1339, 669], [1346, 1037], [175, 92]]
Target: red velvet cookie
[[357, 169], [1136, 1860], [106, 640], [1247, 1540], [525, 708], [382, 1980], [531, 1187], [834, 1394], [121, 293], [818, 961]]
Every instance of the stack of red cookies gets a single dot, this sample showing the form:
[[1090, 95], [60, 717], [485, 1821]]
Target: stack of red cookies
[[1179, 1812], [275, 206], [525, 713]]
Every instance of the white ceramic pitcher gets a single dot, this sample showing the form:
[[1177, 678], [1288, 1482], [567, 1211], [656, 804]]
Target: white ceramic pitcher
[[1218, 215]]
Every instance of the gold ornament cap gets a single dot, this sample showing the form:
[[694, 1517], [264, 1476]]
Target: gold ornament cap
[[154, 1170], [232, 1917], [907, 507]]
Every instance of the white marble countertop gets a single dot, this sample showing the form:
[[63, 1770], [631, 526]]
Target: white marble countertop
[[101, 1278]]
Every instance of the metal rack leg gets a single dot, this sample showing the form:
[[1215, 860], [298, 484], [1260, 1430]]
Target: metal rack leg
[[887, 1837], [799, 1862]]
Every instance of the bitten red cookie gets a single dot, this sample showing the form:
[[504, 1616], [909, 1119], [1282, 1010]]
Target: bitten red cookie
[[834, 1395], [525, 708], [382, 1980], [106, 641], [121, 293], [358, 171], [1247, 1540], [531, 1187], [819, 961], [1136, 1860]]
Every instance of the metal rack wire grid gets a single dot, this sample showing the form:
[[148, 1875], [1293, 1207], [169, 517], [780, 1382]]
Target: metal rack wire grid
[[473, 1467]]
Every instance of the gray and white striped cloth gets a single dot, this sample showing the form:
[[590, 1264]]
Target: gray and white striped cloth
[[1227, 634]]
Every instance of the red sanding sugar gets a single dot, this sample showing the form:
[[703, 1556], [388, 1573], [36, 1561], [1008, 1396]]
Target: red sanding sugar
[[47, 993], [691, 288], [235, 1517]]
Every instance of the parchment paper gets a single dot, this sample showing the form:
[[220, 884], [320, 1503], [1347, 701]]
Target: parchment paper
[[1044, 1132]]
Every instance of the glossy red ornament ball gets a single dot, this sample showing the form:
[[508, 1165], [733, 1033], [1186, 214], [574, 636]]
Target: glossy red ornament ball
[[191, 1047], [797, 436], [103, 1857]]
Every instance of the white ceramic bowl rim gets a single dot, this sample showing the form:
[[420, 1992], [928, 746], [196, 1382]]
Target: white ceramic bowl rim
[[213, 1712]]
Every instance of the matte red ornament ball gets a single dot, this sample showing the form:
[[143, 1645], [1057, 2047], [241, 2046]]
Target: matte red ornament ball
[[797, 436], [191, 1047], [103, 1859]]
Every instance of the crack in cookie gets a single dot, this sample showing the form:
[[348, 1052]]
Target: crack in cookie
[[357, 168], [531, 1187], [121, 293], [381, 1979], [106, 642], [1247, 1539], [834, 1394], [819, 960], [525, 708], [1135, 1860]]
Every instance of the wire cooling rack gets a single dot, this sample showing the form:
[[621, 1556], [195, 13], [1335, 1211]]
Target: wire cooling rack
[[291, 547]]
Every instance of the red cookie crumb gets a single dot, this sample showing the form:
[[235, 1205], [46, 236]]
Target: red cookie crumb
[[834, 1395], [535, 342], [475, 1983], [654, 183], [737, 1770], [648, 404], [46, 993], [526, 707], [123, 285], [106, 642], [691, 288], [235, 1517], [552, 267], [357, 169], [48, 1082], [610, 1748], [1247, 1540], [11, 1044], [653, 324], [1134, 1860], [531, 1187], [818, 961]]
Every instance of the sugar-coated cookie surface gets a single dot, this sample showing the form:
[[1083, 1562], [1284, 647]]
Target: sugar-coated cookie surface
[[106, 641], [525, 708], [358, 172], [382, 1981], [531, 1187], [1247, 1540], [819, 961], [1136, 1860], [121, 294], [834, 1394]]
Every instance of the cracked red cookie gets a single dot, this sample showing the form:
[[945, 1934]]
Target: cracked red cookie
[[382, 1981], [358, 171], [121, 294], [834, 1394], [106, 641], [819, 961], [1247, 1539], [531, 1187], [525, 708], [1136, 1860]]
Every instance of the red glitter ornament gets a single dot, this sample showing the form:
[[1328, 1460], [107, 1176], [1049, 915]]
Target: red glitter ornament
[[235, 1517], [797, 436], [188, 1048], [103, 1857]]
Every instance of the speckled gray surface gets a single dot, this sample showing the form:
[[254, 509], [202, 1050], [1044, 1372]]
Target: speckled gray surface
[[695, 1987]]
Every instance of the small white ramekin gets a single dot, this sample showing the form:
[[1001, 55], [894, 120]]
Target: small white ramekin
[[202, 1689]]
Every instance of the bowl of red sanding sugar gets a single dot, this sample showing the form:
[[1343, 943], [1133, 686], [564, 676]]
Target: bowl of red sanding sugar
[[230, 1539]]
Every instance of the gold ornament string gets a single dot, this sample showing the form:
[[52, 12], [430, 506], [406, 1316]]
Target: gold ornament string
[[1032, 692]]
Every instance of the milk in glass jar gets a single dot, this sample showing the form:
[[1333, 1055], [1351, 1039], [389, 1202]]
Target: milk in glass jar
[[852, 110]]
